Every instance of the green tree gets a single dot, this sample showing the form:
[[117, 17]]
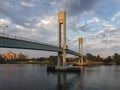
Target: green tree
[[41, 59], [116, 57], [53, 59], [98, 58], [91, 57], [108, 60], [2, 60]]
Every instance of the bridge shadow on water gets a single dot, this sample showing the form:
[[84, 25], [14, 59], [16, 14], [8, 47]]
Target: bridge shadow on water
[[68, 80]]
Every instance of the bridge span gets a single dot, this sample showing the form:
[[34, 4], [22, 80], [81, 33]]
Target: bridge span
[[10, 41]]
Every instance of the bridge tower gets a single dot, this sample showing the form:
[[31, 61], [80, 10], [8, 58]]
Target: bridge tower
[[62, 38], [81, 50]]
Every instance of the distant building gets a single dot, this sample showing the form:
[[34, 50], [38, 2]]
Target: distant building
[[8, 55], [12, 56]]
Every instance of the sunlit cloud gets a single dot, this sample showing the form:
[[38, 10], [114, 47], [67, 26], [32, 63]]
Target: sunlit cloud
[[26, 4], [4, 22], [93, 20]]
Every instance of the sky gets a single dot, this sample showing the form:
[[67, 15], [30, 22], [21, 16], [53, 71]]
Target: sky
[[97, 21]]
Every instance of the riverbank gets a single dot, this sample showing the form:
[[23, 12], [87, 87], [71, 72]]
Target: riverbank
[[28, 62], [89, 63]]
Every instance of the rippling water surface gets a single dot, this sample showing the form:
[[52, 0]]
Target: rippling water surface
[[35, 77]]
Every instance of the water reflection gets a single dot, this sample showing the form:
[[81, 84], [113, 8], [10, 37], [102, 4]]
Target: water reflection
[[69, 81], [61, 81], [35, 77], [81, 85]]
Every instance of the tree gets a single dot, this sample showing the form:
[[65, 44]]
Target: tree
[[116, 57], [98, 58], [41, 59], [91, 57], [2, 60], [53, 59], [108, 60]]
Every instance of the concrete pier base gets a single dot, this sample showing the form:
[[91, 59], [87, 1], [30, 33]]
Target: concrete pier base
[[77, 64], [63, 69]]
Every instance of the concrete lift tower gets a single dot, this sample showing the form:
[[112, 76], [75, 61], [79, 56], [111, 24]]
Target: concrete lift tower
[[62, 26], [81, 50]]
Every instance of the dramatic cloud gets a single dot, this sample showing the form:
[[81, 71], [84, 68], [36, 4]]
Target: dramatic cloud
[[97, 21], [75, 7], [4, 22]]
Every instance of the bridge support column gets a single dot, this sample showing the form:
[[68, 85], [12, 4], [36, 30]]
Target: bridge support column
[[81, 50], [62, 20], [64, 57], [59, 63]]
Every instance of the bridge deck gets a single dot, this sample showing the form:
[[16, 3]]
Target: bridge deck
[[9, 41]]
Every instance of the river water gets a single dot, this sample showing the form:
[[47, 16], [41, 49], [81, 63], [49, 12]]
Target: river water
[[36, 77]]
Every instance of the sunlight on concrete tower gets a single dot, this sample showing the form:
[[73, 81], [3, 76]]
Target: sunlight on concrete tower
[[81, 50], [62, 24]]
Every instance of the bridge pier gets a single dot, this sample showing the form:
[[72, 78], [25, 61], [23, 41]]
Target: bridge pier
[[59, 63], [64, 58], [62, 24], [81, 50]]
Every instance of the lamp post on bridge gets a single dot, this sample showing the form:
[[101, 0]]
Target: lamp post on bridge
[[5, 28]]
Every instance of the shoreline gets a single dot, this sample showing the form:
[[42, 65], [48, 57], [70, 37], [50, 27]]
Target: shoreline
[[68, 63]]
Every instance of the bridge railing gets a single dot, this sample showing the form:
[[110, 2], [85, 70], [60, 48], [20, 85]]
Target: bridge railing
[[34, 41], [25, 39]]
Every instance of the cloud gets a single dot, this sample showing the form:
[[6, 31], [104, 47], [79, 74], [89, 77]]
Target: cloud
[[94, 20], [90, 19], [105, 9], [99, 46], [48, 23], [116, 18], [83, 27], [25, 11], [75, 7], [3, 24], [96, 41], [26, 4], [30, 18], [88, 26], [110, 40]]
